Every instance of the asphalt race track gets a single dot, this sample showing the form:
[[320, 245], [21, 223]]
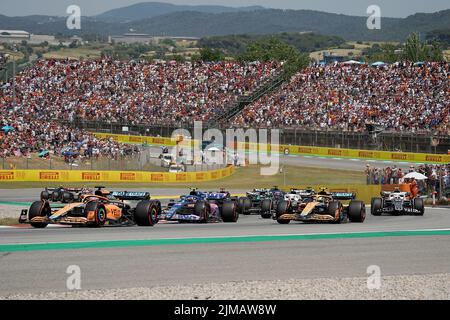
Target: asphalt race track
[[252, 259], [233, 255]]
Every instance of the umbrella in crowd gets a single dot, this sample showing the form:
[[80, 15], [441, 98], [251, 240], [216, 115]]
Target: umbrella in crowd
[[378, 64], [352, 62], [7, 129], [415, 175], [43, 153]]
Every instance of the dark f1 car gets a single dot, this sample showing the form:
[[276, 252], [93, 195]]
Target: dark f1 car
[[95, 210], [321, 207], [64, 194], [260, 201], [397, 203], [202, 207]]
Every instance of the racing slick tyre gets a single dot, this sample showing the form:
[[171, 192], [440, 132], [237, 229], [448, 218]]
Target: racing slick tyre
[[39, 209], [147, 213], [45, 195], [335, 210], [56, 196], [283, 207], [266, 209], [67, 197], [202, 209], [230, 212], [244, 205], [99, 214], [419, 205], [356, 211], [376, 206]]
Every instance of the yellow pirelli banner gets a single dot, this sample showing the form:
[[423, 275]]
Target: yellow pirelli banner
[[366, 154], [155, 141], [137, 139], [299, 150], [112, 176]]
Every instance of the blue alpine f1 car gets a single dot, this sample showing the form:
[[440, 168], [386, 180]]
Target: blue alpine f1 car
[[202, 207]]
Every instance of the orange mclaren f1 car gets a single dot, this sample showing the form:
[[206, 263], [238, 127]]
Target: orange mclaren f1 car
[[95, 210], [321, 207]]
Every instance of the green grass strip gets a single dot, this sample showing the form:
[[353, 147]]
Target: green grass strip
[[13, 203], [212, 240]]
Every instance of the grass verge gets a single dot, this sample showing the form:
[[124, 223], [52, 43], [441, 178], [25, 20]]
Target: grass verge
[[244, 178]]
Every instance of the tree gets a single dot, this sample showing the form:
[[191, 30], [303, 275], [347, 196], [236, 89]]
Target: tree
[[436, 53], [168, 42], [208, 54], [160, 53], [73, 44], [273, 49], [413, 48], [388, 53], [178, 58]]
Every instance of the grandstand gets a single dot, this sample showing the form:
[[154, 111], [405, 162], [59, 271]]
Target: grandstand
[[403, 97]]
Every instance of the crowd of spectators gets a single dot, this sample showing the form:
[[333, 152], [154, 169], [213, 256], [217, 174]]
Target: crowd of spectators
[[436, 175], [131, 92], [27, 135], [134, 92], [399, 97]]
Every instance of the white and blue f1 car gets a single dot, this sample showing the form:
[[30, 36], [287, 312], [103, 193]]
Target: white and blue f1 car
[[202, 207]]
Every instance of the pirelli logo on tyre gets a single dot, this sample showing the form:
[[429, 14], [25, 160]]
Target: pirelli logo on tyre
[[8, 175], [157, 177], [48, 175], [399, 156], [128, 176], [433, 158], [91, 176]]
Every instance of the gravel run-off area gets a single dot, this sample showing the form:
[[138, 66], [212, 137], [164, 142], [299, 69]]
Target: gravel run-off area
[[420, 287]]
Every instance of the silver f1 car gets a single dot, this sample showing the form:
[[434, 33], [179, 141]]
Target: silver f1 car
[[397, 203]]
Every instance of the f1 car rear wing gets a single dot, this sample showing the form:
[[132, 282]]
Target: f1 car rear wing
[[343, 195], [128, 195]]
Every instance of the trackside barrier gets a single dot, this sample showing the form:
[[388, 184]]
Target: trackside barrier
[[112, 176], [301, 150], [363, 192]]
